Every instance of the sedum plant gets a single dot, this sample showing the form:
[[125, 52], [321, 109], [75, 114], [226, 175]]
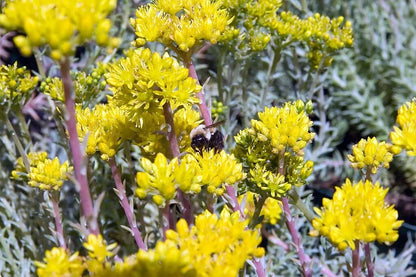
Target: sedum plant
[[145, 200]]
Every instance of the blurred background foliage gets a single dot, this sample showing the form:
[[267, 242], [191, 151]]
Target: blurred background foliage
[[357, 96]]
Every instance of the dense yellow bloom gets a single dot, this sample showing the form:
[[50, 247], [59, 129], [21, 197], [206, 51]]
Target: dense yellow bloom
[[219, 169], [57, 262], [271, 209], [357, 213], [16, 84], [404, 135], [372, 154], [161, 178], [99, 253], [105, 127], [144, 81], [183, 25], [62, 25], [86, 86], [286, 128], [44, 173], [217, 246], [157, 178], [271, 150], [164, 261], [274, 184]]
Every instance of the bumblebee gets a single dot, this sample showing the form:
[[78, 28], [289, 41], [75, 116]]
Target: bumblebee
[[207, 138]]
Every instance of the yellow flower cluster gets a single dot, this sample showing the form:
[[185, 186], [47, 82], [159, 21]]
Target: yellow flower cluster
[[86, 86], [162, 178], [105, 127], [404, 135], [322, 34], [163, 261], [98, 254], [16, 84], [217, 246], [144, 81], [372, 154], [251, 19], [286, 128], [183, 25], [44, 173], [271, 150], [62, 25], [271, 209], [357, 213], [58, 262], [274, 184]]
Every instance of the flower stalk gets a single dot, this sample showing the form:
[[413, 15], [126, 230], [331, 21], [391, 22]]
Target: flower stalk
[[58, 219], [77, 156], [356, 260], [121, 192]]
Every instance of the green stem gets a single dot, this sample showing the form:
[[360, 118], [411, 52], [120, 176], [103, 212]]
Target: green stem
[[39, 63], [276, 55], [298, 203], [220, 80], [25, 127], [256, 216], [18, 144]]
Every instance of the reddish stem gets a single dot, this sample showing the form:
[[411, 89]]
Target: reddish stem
[[173, 140], [290, 223], [58, 222], [79, 160], [206, 115], [174, 148], [368, 261], [356, 260], [125, 204], [235, 205]]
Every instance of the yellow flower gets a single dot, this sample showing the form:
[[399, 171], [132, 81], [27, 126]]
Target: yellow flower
[[157, 178], [49, 174], [218, 169], [144, 81], [274, 184], [105, 127], [404, 136], [62, 25], [357, 213], [372, 154], [181, 25], [217, 246], [57, 262], [286, 128], [271, 209], [98, 248], [86, 86], [164, 261], [16, 84], [44, 173]]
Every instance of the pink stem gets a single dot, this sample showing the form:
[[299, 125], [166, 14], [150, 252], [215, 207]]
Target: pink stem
[[327, 272], [58, 223], [77, 156], [235, 205], [356, 260], [206, 115], [290, 223], [125, 204], [174, 148], [368, 261]]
